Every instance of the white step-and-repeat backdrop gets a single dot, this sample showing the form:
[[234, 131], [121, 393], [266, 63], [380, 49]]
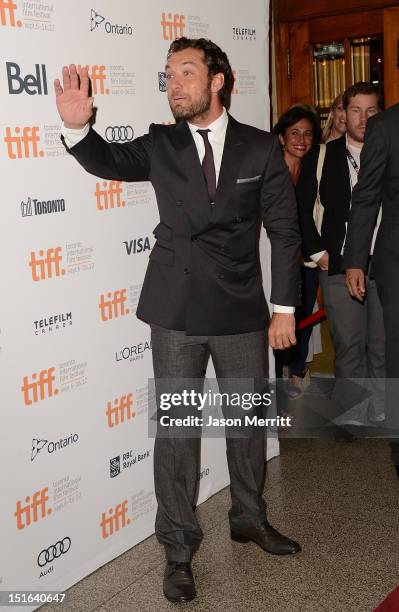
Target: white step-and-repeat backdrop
[[76, 477]]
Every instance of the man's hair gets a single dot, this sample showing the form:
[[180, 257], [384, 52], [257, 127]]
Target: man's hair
[[364, 88], [295, 114], [216, 60]]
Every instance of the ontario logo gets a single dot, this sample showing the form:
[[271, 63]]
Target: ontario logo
[[39, 444], [97, 20]]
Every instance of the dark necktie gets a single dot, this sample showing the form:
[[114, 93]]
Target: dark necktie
[[208, 166]]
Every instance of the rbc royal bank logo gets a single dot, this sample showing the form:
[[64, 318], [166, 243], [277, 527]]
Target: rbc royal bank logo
[[162, 81]]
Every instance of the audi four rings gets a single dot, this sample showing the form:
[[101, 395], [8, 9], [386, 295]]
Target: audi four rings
[[119, 133], [53, 552]]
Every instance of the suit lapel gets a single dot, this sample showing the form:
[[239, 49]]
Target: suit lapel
[[196, 201], [233, 154]]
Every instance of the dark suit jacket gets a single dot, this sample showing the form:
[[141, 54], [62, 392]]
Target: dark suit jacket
[[378, 185], [204, 274], [335, 195]]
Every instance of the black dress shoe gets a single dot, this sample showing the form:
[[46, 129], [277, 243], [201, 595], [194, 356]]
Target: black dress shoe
[[267, 538], [178, 582]]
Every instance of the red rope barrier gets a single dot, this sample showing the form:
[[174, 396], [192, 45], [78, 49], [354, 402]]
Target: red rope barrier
[[312, 319]]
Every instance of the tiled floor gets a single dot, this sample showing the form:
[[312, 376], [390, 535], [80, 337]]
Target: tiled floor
[[340, 500]]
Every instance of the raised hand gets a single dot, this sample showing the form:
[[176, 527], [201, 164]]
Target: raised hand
[[73, 102]]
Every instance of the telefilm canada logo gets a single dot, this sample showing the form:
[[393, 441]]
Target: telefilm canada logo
[[98, 21], [55, 322], [33, 207], [51, 446], [244, 33]]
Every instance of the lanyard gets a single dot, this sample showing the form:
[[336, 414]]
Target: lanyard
[[352, 161]]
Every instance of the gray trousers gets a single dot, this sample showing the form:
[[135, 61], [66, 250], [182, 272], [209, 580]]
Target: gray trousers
[[177, 459], [357, 332]]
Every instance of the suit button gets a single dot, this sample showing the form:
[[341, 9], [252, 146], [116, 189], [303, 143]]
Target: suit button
[[194, 238], [179, 203], [186, 271], [221, 276], [238, 219], [222, 247]]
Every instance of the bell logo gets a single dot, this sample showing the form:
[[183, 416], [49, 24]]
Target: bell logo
[[115, 520], [108, 195], [47, 265], [25, 145], [34, 509], [7, 14], [120, 411], [114, 306], [39, 387], [32, 84], [172, 26], [97, 76]]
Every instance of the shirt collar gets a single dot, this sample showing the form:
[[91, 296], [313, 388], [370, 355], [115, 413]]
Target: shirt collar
[[217, 127]]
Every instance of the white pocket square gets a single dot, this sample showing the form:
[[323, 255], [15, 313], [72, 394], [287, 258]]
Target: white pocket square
[[251, 179]]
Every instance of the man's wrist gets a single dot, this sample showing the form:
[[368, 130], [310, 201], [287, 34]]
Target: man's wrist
[[278, 309]]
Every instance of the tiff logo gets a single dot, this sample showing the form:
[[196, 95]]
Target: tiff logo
[[97, 76], [7, 8], [34, 509], [114, 306], [38, 389], [46, 265], [25, 145], [172, 26], [109, 196], [115, 520], [120, 411]]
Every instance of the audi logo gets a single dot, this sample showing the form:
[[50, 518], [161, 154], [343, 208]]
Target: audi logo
[[53, 552], [119, 133]]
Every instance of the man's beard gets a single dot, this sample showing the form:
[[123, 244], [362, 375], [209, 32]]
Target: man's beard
[[194, 110]]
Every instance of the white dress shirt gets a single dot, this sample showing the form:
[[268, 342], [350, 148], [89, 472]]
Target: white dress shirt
[[353, 176], [216, 136]]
